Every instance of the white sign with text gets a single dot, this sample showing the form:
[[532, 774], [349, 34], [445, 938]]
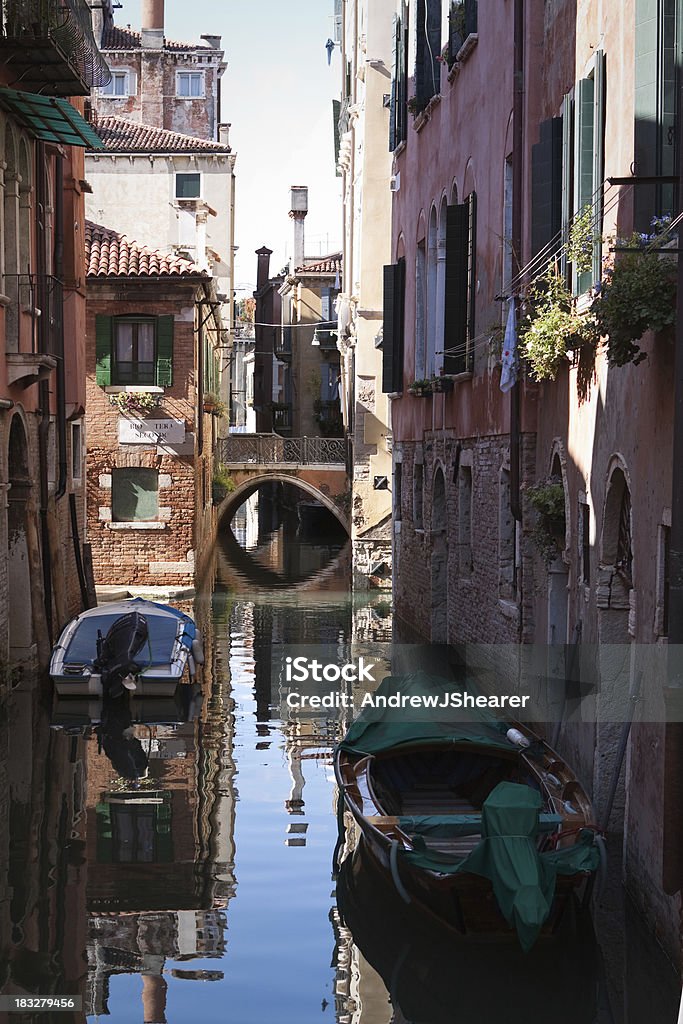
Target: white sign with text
[[151, 431]]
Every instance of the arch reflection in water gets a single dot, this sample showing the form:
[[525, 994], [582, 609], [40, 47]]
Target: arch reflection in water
[[433, 978], [277, 539]]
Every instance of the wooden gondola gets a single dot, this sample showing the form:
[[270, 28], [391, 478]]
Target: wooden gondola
[[478, 823]]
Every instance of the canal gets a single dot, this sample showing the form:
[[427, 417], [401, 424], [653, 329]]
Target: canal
[[193, 881]]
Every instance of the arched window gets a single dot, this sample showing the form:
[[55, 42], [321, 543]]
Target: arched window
[[430, 361]]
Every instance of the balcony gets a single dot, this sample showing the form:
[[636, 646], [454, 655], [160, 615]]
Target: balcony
[[50, 47], [33, 321]]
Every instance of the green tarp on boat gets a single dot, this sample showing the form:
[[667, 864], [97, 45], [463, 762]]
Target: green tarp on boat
[[380, 727]]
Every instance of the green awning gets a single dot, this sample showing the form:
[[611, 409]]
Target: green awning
[[49, 118]]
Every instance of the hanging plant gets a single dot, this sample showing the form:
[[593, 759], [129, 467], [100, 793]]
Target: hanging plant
[[637, 294], [582, 239], [420, 388], [549, 532], [213, 404], [135, 401], [552, 327]]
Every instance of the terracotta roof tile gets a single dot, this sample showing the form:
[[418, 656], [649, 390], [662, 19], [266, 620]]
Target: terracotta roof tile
[[115, 37], [122, 136], [331, 264], [110, 254]]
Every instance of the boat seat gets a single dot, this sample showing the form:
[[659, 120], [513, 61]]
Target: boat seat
[[448, 824]]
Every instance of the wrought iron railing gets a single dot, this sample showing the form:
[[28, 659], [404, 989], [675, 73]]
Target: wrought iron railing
[[68, 23], [271, 449], [34, 314]]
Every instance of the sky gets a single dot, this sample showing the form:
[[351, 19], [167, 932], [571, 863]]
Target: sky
[[277, 95]]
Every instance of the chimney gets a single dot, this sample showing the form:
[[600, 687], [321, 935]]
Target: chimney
[[263, 268], [224, 133], [298, 208], [152, 24], [213, 41]]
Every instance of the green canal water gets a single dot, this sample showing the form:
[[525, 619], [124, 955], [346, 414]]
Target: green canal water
[[204, 891]]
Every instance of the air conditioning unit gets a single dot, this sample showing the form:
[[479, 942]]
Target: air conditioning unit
[[395, 182]]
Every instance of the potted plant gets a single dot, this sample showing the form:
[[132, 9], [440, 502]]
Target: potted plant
[[441, 385], [131, 402], [213, 404], [552, 326], [421, 388], [549, 532], [637, 294], [222, 483]]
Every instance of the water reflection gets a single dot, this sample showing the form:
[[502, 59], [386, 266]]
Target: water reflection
[[198, 886]]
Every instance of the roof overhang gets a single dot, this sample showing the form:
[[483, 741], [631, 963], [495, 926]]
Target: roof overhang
[[49, 119]]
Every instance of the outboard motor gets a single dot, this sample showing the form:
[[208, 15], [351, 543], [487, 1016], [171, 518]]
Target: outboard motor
[[116, 653]]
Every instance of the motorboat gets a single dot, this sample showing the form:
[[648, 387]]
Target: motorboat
[[143, 646], [474, 820]]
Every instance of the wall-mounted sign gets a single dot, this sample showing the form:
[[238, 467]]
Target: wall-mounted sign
[[151, 431]]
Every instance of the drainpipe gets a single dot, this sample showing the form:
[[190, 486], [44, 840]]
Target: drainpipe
[[672, 852], [44, 395], [60, 373], [517, 185]]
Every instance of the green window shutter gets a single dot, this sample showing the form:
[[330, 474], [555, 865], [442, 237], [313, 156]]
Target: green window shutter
[[457, 287], [164, 371], [546, 186], [428, 48], [393, 327], [103, 343], [598, 158], [395, 58], [584, 161]]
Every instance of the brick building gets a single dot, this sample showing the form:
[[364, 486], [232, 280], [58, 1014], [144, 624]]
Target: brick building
[[42, 321], [153, 336], [156, 81], [497, 154]]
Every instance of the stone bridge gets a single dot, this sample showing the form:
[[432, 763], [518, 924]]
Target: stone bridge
[[316, 465]]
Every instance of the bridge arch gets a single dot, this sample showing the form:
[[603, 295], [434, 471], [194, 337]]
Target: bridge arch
[[246, 488]]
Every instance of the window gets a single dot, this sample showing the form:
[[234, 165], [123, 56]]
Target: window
[[418, 495], [546, 188], [428, 50], [589, 119], [188, 185], [462, 22], [662, 607], [585, 541], [76, 451], [461, 223], [121, 85], [392, 331], [134, 350], [398, 491], [657, 29], [134, 495], [398, 110], [134, 343], [420, 307], [506, 540], [189, 84], [465, 519]]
